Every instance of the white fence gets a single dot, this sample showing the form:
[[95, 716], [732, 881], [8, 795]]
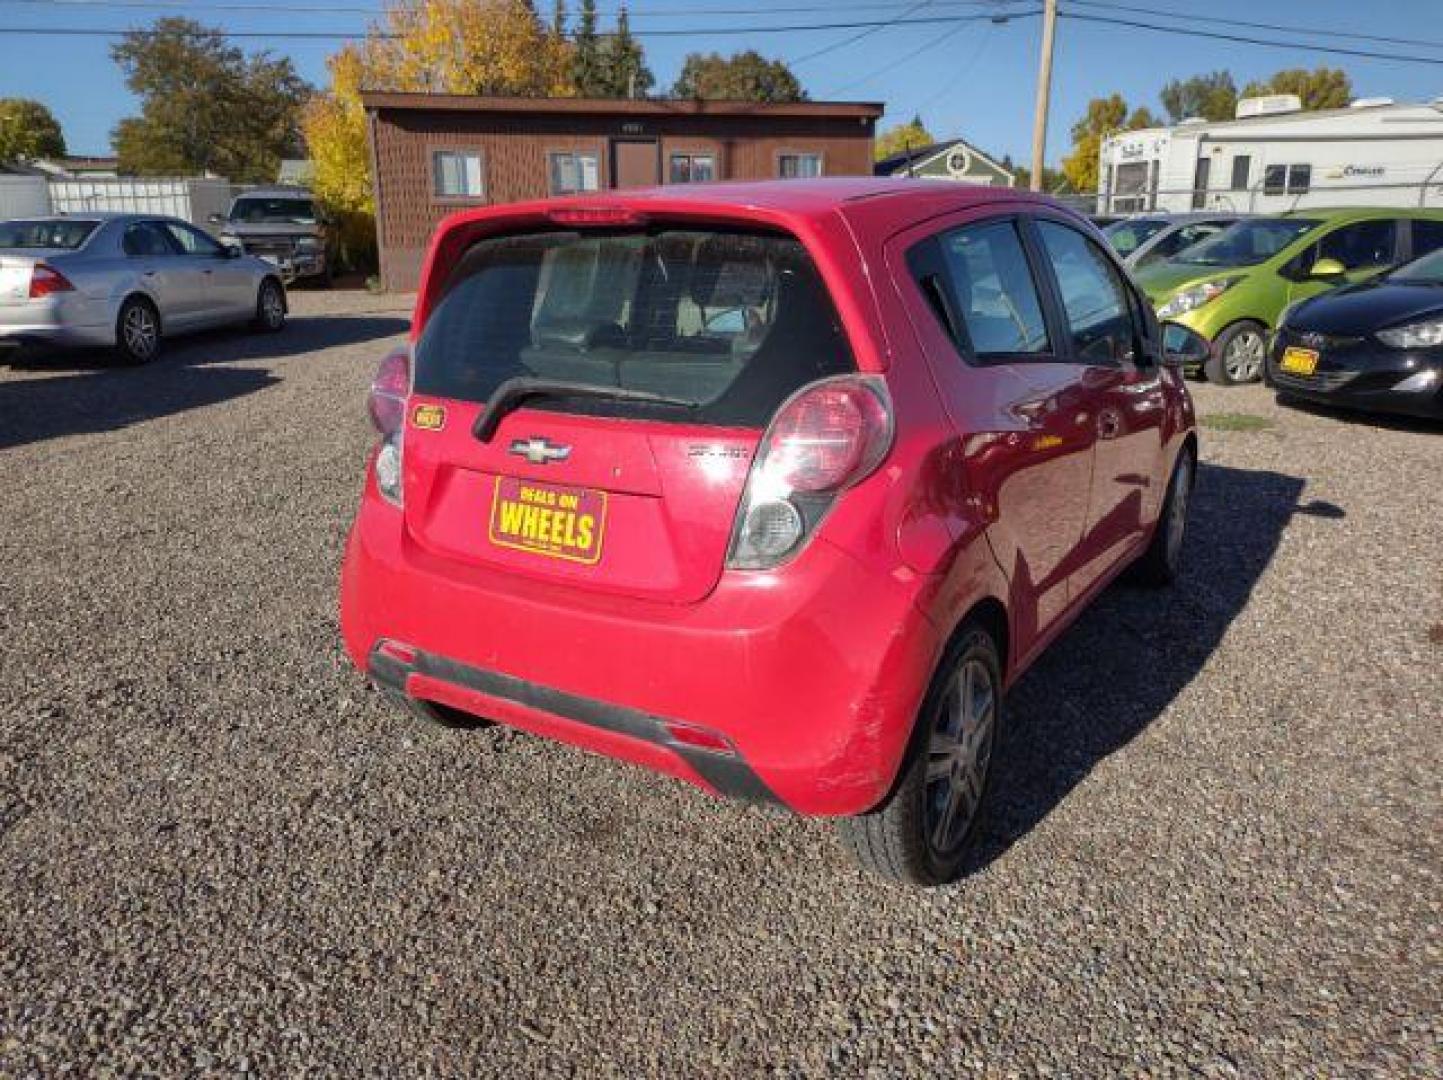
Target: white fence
[[193, 200]]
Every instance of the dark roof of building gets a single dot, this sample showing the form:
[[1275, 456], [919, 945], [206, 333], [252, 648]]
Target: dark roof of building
[[624, 106], [917, 154]]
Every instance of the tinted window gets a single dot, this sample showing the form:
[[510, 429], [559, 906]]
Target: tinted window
[[1428, 269], [1427, 236], [1362, 246], [993, 290], [1181, 239], [1127, 236], [1094, 297], [287, 210], [731, 323], [45, 234], [148, 238], [1247, 242], [192, 241]]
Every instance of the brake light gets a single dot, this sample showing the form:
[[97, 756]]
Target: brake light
[[387, 400], [597, 216], [824, 439], [46, 281], [387, 405]]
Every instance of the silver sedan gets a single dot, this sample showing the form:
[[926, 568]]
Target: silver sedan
[[125, 281]]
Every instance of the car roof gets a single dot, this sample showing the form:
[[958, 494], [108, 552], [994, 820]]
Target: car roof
[[276, 193], [898, 201]]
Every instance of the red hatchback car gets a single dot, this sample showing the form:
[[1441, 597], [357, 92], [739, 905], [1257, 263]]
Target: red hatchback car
[[772, 487]]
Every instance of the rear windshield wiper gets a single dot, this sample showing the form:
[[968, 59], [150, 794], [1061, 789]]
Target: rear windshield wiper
[[509, 395]]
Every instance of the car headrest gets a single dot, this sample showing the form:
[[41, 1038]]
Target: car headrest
[[576, 333], [731, 272]]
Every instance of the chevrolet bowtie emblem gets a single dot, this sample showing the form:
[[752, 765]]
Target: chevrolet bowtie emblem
[[539, 451]]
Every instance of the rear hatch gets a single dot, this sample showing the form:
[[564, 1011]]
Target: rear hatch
[[630, 375]]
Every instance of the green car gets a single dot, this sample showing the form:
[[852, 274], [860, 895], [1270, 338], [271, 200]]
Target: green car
[[1233, 287]]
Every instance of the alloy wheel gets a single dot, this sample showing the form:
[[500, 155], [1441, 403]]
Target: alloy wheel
[[273, 308], [141, 333], [1243, 359], [1177, 512], [958, 754]]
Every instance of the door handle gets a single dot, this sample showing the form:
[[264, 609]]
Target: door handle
[[1109, 424], [147, 273]]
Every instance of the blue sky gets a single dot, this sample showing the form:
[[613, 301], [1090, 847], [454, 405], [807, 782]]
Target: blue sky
[[974, 80]]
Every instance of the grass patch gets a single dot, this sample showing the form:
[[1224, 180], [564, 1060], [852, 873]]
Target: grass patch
[[1235, 421]]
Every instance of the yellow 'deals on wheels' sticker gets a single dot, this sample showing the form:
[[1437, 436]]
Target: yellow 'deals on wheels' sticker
[[559, 522]]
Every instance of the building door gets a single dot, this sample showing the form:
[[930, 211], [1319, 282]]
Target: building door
[[1200, 183], [635, 162]]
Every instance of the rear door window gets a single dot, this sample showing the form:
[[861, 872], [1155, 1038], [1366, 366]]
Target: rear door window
[[149, 239], [1427, 236], [1094, 296], [992, 290], [725, 324]]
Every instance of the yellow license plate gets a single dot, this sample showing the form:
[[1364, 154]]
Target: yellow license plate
[[559, 522], [1298, 361]]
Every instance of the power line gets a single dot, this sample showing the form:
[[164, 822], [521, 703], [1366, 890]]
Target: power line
[[1320, 32], [856, 37], [998, 6], [694, 31], [926, 46], [1218, 35]]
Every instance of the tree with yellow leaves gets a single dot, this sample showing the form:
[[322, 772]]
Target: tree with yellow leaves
[[437, 46]]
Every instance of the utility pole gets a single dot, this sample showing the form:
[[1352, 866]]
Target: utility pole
[[1044, 93]]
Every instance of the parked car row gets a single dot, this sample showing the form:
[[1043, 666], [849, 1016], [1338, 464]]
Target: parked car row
[[1265, 290]]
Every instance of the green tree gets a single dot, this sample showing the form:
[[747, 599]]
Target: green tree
[[1321, 88], [28, 130], [743, 76], [624, 73], [586, 59], [912, 135], [1213, 96], [205, 105], [1104, 117]]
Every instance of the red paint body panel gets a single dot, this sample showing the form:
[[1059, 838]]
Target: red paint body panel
[[1025, 485]]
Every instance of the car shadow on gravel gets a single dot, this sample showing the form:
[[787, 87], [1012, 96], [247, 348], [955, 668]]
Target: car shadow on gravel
[[84, 392], [1125, 660]]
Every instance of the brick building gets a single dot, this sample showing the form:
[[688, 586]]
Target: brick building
[[432, 154]]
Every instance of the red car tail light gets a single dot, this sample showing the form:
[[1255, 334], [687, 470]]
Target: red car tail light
[[824, 439], [46, 281], [386, 403]]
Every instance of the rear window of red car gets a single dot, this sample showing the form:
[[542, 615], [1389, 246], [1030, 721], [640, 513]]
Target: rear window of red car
[[730, 323]]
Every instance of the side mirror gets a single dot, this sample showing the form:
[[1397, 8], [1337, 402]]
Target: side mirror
[[1183, 347], [1327, 270], [231, 251], [217, 219]]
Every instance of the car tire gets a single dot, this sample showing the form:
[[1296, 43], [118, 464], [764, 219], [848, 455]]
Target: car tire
[[915, 836], [1161, 563], [270, 316], [137, 331], [1238, 354]]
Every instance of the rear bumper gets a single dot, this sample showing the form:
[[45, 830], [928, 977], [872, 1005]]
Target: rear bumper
[[803, 683], [64, 322]]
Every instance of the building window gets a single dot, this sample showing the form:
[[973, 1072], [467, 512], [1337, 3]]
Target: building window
[[692, 168], [573, 171], [1289, 179], [1242, 170], [456, 174], [799, 166]]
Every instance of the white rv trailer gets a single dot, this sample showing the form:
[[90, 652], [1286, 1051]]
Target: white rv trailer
[[1275, 157]]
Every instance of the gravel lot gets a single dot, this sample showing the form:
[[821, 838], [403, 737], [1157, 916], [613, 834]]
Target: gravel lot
[[1218, 849]]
